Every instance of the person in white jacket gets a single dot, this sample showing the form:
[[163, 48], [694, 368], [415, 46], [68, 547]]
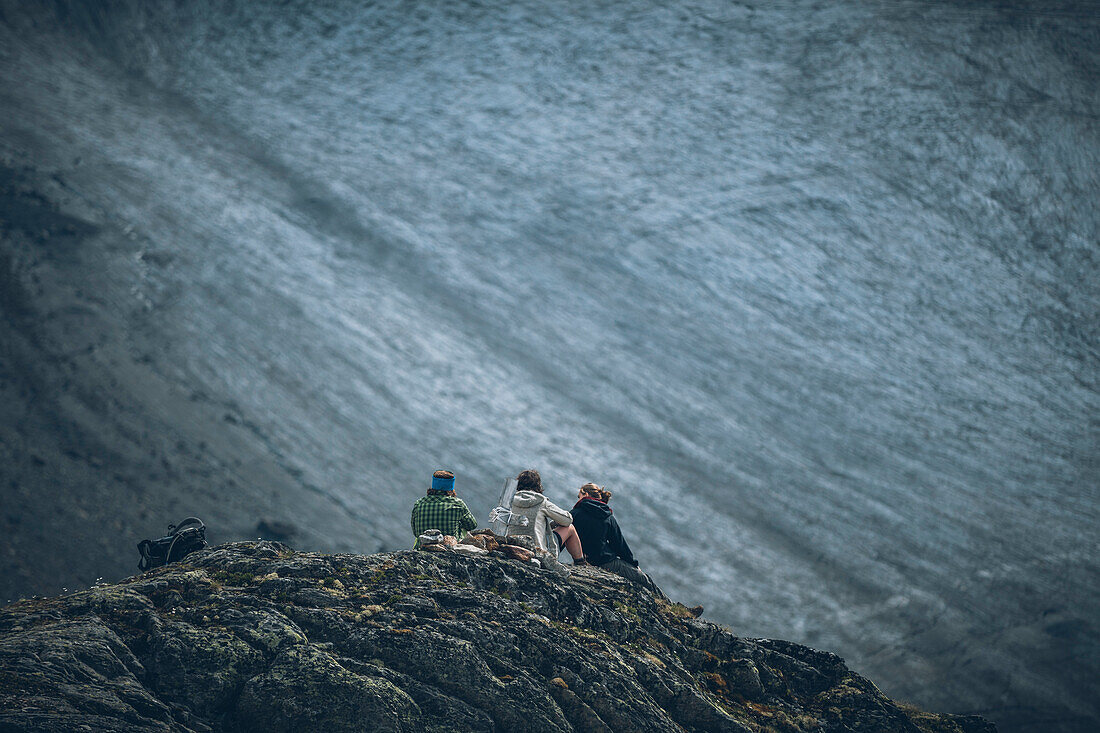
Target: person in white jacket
[[549, 525]]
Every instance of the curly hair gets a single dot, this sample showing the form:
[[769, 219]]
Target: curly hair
[[529, 480]]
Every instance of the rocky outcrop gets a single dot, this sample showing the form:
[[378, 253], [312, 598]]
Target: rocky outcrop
[[256, 637]]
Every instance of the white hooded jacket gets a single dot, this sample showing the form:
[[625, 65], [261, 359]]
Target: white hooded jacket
[[539, 511]]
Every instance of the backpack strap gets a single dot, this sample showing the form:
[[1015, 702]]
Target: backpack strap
[[175, 528], [178, 532], [168, 555], [143, 548]]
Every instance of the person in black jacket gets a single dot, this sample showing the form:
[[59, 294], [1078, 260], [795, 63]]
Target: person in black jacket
[[601, 538]]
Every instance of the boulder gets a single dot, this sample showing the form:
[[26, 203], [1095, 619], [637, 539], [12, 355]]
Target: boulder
[[252, 636]]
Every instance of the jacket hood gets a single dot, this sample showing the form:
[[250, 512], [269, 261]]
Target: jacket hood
[[526, 499], [592, 506]]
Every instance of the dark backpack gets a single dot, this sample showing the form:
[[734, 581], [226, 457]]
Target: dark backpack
[[182, 539]]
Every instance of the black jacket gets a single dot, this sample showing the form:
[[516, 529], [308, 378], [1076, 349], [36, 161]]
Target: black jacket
[[600, 535]]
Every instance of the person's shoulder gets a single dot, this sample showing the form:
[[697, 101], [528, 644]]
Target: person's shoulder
[[527, 500]]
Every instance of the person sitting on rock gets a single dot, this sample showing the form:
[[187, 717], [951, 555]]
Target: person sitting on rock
[[441, 509], [602, 540], [548, 524]]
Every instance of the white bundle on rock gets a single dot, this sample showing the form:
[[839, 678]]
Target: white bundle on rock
[[469, 549], [433, 540], [505, 517]]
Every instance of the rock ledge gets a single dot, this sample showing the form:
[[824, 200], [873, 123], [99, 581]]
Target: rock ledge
[[255, 637]]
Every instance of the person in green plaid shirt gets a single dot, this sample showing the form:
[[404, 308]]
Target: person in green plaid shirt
[[441, 510]]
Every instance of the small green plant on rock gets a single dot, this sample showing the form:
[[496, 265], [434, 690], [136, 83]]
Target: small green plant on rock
[[235, 580], [627, 610]]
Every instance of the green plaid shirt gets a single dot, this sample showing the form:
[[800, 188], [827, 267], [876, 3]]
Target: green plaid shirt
[[448, 514]]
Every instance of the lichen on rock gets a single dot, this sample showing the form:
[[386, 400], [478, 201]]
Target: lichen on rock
[[256, 637]]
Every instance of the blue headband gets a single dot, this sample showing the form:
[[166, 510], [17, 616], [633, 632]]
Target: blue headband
[[443, 484]]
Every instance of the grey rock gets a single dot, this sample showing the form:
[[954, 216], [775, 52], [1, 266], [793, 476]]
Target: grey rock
[[307, 689], [255, 637]]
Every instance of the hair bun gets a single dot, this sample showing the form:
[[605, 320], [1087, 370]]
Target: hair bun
[[596, 492]]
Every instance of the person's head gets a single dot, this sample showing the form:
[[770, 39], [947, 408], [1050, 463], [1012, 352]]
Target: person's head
[[443, 482], [529, 481], [592, 491]]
